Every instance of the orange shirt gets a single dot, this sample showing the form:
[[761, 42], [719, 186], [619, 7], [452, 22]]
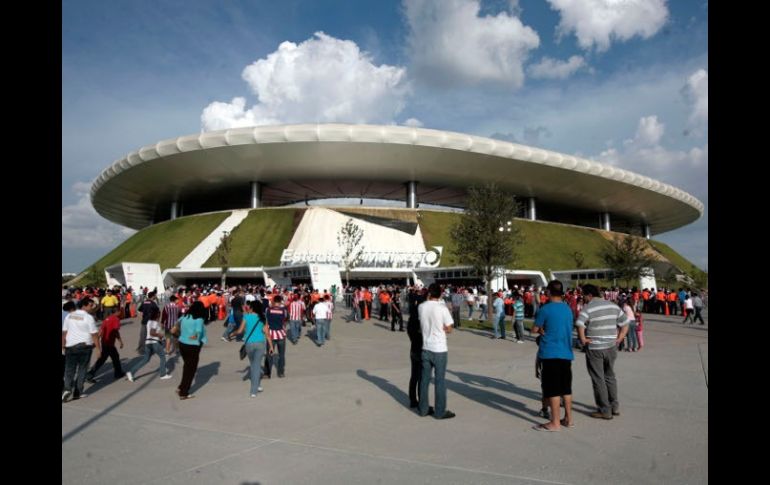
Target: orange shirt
[[672, 296], [660, 296], [384, 297]]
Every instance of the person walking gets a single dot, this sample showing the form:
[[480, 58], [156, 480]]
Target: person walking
[[257, 338], [192, 337], [153, 345]]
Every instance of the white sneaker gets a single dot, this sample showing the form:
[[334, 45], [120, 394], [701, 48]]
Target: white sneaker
[[167, 376], [519, 341], [253, 395], [65, 396], [129, 377], [259, 389], [224, 339]]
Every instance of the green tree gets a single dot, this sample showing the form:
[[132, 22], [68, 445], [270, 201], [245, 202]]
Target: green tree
[[628, 257], [487, 236], [349, 240], [223, 254]]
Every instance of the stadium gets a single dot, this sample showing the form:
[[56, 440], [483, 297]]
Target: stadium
[[261, 185]]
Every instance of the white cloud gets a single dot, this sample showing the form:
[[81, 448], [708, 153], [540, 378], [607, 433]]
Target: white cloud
[[450, 44], [549, 68], [598, 22], [697, 92], [413, 122], [649, 131], [83, 227], [645, 154], [321, 80]]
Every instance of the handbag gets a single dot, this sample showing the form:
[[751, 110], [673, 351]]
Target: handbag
[[242, 351]]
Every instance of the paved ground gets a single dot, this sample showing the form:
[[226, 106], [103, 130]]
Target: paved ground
[[341, 416]]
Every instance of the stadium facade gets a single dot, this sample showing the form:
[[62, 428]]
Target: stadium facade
[[272, 166]]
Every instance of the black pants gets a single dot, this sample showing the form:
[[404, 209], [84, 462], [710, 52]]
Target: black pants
[[190, 356], [698, 316], [415, 356], [397, 317], [280, 345], [107, 351], [384, 311]]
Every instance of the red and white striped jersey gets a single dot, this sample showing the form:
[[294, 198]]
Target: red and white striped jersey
[[296, 310]]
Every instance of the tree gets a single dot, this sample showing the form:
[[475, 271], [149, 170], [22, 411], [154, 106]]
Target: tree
[[579, 258], [223, 254], [628, 257], [486, 236], [349, 240]]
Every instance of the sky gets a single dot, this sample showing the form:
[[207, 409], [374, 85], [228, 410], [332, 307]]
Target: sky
[[623, 82]]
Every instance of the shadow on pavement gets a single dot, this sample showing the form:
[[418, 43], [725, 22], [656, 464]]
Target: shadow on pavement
[[396, 393], [482, 381], [204, 374]]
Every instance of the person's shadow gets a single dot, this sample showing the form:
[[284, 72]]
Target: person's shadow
[[204, 374], [400, 396], [505, 386]]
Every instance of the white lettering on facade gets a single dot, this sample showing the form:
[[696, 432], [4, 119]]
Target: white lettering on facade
[[377, 259]]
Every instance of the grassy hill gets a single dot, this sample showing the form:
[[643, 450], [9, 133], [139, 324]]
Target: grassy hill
[[260, 238], [547, 246], [166, 243]]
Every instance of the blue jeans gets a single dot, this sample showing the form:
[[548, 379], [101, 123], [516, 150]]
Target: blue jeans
[[470, 312], [256, 352], [632, 341], [76, 361], [149, 349], [429, 361], [355, 314], [320, 330], [499, 323], [229, 330], [295, 327], [483, 310]]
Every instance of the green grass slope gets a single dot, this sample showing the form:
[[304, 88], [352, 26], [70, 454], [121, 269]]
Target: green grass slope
[[260, 239], [165, 243], [547, 246]]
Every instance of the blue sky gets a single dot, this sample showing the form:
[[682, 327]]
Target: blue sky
[[622, 83]]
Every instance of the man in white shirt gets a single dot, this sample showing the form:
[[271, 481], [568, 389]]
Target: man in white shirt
[[435, 323], [79, 336], [321, 312]]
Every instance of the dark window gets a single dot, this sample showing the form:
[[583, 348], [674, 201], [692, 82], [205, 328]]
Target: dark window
[[591, 276]]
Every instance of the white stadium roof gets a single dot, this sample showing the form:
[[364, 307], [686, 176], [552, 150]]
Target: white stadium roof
[[296, 162]]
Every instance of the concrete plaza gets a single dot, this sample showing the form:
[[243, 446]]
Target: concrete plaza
[[341, 415]]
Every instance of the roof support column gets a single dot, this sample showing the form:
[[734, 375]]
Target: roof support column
[[605, 218], [531, 209], [646, 231], [411, 195], [174, 209], [256, 195]]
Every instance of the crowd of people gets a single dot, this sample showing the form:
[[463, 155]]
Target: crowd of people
[[175, 322]]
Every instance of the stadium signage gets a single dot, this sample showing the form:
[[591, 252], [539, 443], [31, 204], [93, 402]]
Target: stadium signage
[[377, 259]]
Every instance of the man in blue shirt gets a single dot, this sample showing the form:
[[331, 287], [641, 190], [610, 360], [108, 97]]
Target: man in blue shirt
[[554, 324]]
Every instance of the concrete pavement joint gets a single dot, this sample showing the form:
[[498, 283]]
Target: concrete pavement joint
[[271, 441]]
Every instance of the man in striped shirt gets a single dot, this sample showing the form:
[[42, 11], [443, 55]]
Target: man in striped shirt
[[296, 315], [168, 319], [602, 319]]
